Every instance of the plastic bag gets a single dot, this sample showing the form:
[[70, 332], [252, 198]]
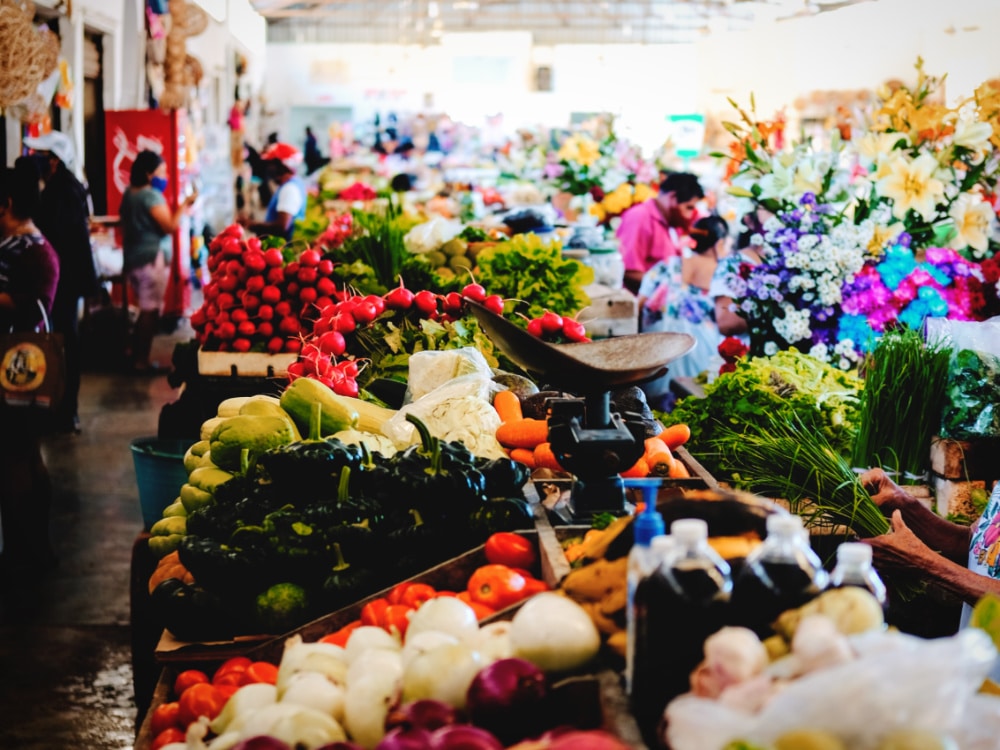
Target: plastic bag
[[898, 681], [432, 369], [972, 398]]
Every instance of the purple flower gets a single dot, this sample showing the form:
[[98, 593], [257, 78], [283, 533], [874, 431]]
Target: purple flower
[[808, 199], [904, 239]]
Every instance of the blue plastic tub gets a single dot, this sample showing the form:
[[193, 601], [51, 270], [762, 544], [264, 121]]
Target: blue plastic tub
[[159, 472]]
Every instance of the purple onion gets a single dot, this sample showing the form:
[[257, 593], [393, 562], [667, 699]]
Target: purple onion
[[261, 742], [405, 739], [421, 714], [508, 698], [464, 737]]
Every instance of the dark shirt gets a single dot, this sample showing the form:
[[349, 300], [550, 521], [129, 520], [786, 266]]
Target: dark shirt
[[29, 271], [63, 218]]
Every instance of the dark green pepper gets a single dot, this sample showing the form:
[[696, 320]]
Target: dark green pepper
[[222, 569], [346, 583], [191, 613], [504, 476], [501, 514]]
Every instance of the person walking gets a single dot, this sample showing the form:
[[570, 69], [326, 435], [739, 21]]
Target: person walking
[[147, 225], [63, 217], [29, 275]]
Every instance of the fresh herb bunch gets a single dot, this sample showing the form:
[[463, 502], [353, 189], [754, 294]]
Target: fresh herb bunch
[[789, 459], [786, 386], [972, 405], [534, 272], [374, 257], [901, 404]]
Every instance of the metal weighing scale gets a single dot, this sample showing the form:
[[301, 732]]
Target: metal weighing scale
[[588, 439]]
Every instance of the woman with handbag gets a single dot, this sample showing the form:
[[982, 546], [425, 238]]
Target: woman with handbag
[[29, 274]]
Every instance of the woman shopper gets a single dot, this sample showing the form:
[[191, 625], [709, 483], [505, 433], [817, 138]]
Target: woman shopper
[[147, 224], [29, 274]]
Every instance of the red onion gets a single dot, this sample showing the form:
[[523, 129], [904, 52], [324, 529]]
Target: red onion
[[508, 698], [341, 746], [405, 739], [594, 739], [423, 714], [261, 742], [464, 737]]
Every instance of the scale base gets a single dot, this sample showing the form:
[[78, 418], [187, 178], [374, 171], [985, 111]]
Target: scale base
[[593, 496]]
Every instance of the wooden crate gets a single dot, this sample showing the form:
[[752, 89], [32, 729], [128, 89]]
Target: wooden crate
[[964, 460], [245, 364]]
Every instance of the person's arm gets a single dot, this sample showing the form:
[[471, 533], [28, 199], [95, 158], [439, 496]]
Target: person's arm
[[730, 324], [901, 550], [170, 221], [950, 539]]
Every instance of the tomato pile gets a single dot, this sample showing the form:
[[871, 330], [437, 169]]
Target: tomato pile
[[197, 694], [505, 580]]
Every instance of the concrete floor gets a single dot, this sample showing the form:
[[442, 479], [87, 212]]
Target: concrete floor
[[65, 641]]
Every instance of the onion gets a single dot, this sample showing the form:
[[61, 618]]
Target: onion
[[375, 660], [418, 643], [423, 714], [261, 742], [594, 739], [444, 674], [341, 746], [554, 633], [405, 739], [493, 641], [463, 737], [508, 698], [446, 614], [366, 637]]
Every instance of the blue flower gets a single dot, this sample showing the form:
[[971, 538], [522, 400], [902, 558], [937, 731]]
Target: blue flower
[[856, 329]]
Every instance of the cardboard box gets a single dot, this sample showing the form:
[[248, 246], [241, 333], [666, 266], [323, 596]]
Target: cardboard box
[[245, 364]]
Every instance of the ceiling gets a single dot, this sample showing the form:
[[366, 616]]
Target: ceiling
[[550, 21]]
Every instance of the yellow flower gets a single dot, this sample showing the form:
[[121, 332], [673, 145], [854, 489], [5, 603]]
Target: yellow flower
[[596, 209], [643, 193], [912, 185], [882, 237], [988, 102], [886, 163], [588, 152], [973, 135], [872, 147], [972, 221], [570, 149]]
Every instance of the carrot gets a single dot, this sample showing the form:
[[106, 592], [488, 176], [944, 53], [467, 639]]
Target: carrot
[[545, 458], [638, 470], [675, 435], [508, 406], [523, 456], [678, 470], [657, 455], [523, 433]]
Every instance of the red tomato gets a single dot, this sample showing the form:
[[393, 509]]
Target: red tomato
[[533, 586], [163, 717], [513, 550], [445, 593], [235, 664], [227, 691], [262, 671], [234, 678], [339, 638], [397, 618], [417, 594], [187, 678], [496, 586], [200, 700], [395, 595], [481, 610], [373, 613], [167, 737]]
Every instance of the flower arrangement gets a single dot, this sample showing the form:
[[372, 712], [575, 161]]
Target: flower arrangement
[[731, 349], [793, 297], [623, 197]]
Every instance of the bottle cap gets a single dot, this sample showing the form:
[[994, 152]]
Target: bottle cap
[[648, 525], [785, 524], [662, 544], [854, 552], [688, 531]]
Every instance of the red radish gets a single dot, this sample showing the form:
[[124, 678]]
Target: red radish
[[551, 322], [494, 303], [270, 294], [254, 261], [325, 267], [228, 282], [211, 291], [475, 292], [265, 312], [377, 301], [347, 387], [252, 243], [308, 294], [296, 369], [226, 331], [239, 315], [198, 318], [323, 302], [332, 342], [399, 298], [292, 288], [254, 283], [234, 267], [349, 367], [211, 311], [241, 344], [222, 317], [225, 301], [344, 322], [310, 258], [325, 286], [265, 329], [275, 275], [426, 301], [246, 328], [251, 302], [289, 325], [274, 258], [283, 309], [574, 330], [275, 345], [293, 345], [453, 303], [307, 275], [364, 312], [292, 269], [535, 327]]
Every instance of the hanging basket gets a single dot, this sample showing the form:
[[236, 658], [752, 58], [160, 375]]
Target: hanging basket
[[27, 55], [195, 20]]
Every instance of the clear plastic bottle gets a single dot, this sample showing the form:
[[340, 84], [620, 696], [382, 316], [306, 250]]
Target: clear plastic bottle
[[647, 551], [677, 607], [781, 574], [854, 568]]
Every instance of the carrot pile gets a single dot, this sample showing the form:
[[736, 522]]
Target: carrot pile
[[526, 441]]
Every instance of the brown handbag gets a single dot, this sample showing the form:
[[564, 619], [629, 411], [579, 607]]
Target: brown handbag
[[32, 367]]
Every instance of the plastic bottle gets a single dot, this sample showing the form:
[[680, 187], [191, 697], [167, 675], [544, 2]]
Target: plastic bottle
[[643, 559], [782, 573], [854, 568], [677, 607]]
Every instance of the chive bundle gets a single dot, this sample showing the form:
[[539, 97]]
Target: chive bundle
[[901, 404], [788, 460]]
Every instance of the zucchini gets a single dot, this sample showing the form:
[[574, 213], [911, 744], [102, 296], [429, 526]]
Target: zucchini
[[337, 412]]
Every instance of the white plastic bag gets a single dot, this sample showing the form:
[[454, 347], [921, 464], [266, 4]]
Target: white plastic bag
[[431, 370], [898, 681]]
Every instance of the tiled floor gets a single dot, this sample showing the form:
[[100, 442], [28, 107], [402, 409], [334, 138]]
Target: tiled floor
[[65, 640]]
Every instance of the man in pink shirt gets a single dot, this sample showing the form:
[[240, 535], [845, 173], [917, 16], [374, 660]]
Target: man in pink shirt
[[658, 228]]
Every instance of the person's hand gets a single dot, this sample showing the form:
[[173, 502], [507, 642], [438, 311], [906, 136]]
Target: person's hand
[[885, 493], [900, 549]]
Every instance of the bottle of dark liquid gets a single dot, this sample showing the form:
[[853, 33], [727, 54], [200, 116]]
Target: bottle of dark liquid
[[782, 573], [854, 568], [676, 608]]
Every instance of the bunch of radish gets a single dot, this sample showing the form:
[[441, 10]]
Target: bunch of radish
[[255, 300], [339, 228], [557, 329]]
